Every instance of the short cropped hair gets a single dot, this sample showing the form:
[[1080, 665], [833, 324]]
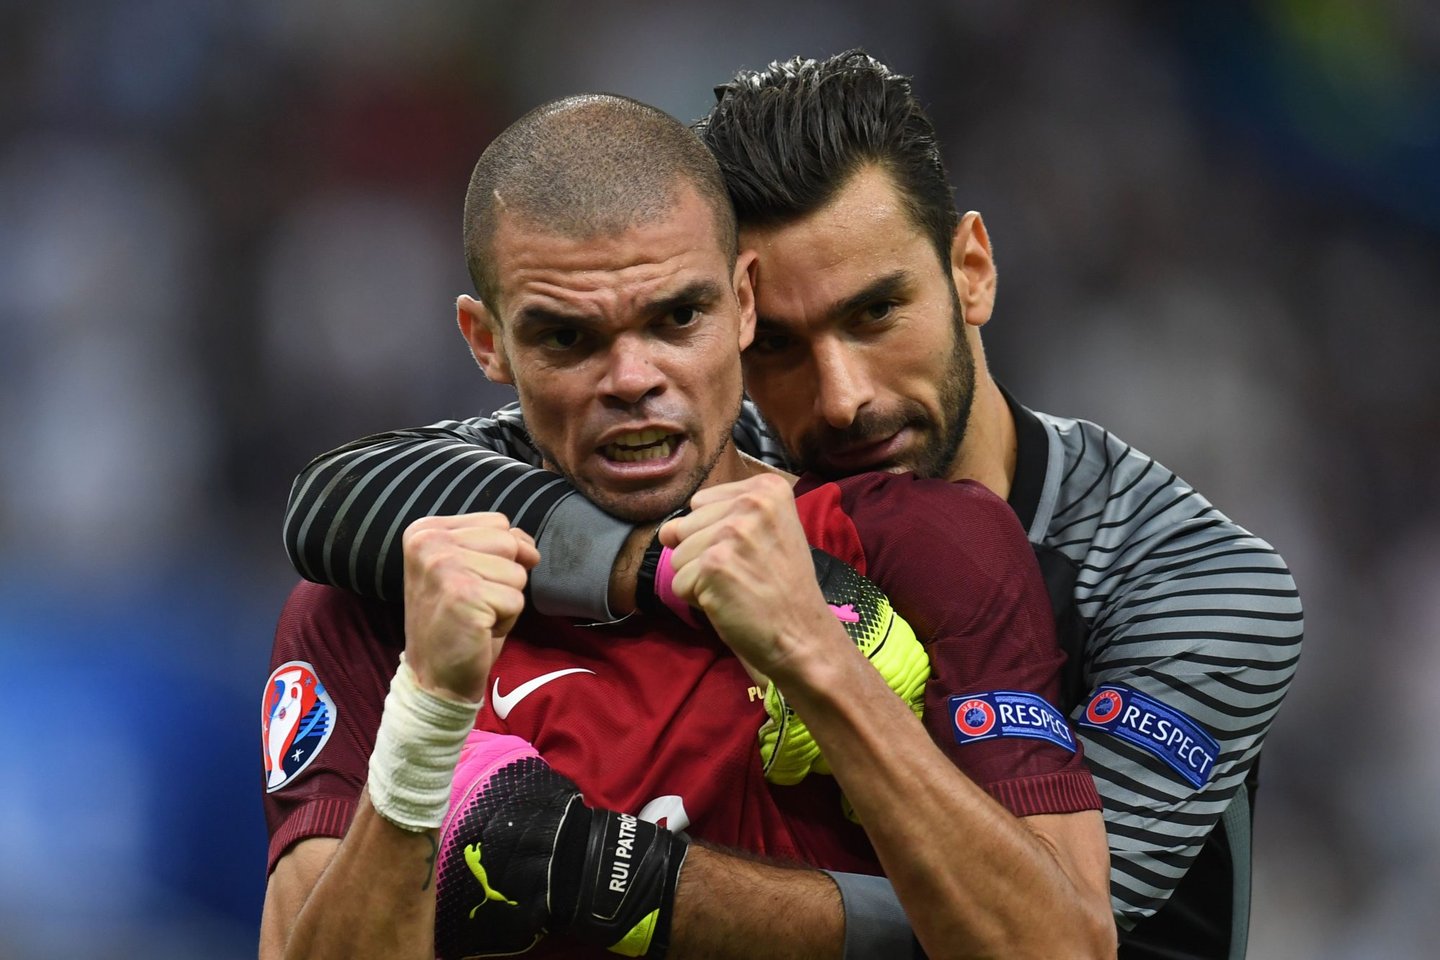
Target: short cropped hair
[[586, 166], [789, 137]]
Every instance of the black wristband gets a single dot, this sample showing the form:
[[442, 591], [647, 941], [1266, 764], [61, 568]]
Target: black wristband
[[645, 599]]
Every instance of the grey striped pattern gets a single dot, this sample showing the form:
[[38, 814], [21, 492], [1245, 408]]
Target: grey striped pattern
[[1184, 605], [348, 507]]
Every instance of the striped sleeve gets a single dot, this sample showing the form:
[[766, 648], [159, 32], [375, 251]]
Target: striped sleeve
[[348, 507], [1192, 619]]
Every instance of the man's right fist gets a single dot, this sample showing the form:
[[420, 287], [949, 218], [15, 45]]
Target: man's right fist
[[464, 588]]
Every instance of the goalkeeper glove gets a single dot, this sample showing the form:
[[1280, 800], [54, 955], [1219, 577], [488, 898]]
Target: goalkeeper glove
[[788, 753], [522, 855], [787, 750]]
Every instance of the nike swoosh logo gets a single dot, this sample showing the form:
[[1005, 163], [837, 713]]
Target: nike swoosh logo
[[505, 702]]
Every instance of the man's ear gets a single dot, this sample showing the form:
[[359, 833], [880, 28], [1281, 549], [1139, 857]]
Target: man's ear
[[972, 264], [481, 331], [744, 283]]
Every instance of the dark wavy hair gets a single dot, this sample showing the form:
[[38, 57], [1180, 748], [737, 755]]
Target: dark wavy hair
[[789, 137]]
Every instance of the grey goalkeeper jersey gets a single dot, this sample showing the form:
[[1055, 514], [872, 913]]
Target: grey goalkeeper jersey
[[1184, 631], [1183, 628]]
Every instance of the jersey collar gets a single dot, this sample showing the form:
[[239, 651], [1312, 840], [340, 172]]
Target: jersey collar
[[1032, 455]]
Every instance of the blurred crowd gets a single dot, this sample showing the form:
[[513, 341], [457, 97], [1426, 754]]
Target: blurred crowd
[[230, 239]]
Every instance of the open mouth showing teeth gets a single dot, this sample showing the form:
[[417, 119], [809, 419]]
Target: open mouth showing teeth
[[652, 444]]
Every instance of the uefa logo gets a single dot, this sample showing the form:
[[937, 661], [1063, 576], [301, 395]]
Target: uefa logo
[[974, 717], [1104, 707]]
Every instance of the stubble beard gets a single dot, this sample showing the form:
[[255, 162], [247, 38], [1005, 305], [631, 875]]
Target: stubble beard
[[937, 454], [957, 396], [635, 506]]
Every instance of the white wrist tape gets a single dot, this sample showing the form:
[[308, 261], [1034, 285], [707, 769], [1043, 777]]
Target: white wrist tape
[[416, 749]]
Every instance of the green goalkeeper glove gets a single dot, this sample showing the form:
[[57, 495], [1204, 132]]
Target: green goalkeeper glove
[[521, 855], [787, 750]]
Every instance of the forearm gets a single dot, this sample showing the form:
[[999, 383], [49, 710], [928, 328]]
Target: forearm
[[376, 899], [975, 880], [349, 506], [377, 895], [999, 888], [727, 905]]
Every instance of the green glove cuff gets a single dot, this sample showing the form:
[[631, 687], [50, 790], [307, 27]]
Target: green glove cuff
[[788, 753]]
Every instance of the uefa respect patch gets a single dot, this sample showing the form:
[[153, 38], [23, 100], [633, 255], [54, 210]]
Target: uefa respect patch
[[1008, 713], [1132, 716], [297, 717]]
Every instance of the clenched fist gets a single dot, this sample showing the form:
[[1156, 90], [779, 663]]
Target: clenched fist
[[464, 583], [742, 557]]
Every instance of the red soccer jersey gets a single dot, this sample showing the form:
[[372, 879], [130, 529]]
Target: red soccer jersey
[[956, 564], [663, 724], [659, 723], [655, 719]]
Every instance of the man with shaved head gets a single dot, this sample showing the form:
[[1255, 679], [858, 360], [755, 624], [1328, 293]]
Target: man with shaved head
[[583, 168], [614, 300]]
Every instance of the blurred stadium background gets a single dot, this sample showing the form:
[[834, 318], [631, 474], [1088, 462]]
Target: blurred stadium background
[[229, 239]]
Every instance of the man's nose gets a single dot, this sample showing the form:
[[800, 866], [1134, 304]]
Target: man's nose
[[632, 374], [843, 385]]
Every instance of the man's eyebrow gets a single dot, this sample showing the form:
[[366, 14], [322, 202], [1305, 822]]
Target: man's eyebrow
[[538, 316], [887, 287], [697, 293]]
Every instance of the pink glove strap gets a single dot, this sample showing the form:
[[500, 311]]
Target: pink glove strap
[[484, 753], [664, 580]]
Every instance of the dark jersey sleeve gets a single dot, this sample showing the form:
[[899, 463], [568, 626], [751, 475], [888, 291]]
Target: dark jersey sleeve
[[350, 648], [349, 507], [956, 564]]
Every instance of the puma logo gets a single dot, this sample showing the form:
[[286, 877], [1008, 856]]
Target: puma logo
[[472, 860]]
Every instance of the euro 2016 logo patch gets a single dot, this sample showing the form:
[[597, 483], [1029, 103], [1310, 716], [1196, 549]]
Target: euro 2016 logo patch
[[1167, 733], [297, 717], [1008, 713]]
